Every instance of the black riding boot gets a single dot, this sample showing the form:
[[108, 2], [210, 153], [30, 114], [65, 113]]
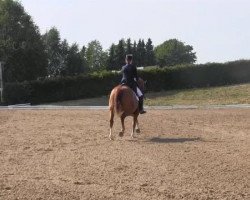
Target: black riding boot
[[141, 110]]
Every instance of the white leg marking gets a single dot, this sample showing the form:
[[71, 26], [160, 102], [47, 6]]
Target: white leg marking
[[110, 135]]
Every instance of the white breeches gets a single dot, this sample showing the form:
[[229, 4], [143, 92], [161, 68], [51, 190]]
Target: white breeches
[[139, 93]]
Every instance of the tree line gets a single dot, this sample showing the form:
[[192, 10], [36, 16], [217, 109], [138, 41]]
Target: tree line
[[30, 55]]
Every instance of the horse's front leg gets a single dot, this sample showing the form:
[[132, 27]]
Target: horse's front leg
[[121, 133], [111, 124]]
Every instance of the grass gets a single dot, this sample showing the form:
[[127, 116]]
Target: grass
[[236, 94]]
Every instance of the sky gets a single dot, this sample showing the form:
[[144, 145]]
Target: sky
[[218, 30]]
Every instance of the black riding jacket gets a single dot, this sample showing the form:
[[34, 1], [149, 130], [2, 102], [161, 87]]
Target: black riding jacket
[[129, 76]]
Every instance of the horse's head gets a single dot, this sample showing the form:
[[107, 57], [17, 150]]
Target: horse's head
[[142, 85]]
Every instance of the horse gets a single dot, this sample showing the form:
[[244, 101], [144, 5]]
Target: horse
[[123, 102]]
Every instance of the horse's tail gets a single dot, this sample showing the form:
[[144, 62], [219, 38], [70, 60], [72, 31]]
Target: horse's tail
[[118, 101], [115, 101]]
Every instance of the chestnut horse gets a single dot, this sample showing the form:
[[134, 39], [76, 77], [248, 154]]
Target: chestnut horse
[[123, 102]]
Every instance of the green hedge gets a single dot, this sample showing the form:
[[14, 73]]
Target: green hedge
[[98, 84], [17, 93], [205, 75]]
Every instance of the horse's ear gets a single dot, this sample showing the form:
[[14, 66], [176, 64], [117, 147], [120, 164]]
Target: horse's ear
[[145, 82]]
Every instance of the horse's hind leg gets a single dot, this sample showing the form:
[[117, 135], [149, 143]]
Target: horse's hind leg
[[123, 126], [134, 124], [137, 129], [111, 124]]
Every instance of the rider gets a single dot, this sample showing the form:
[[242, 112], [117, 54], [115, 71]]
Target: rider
[[130, 78]]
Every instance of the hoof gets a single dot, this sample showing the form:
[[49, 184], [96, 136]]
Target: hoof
[[138, 130], [111, 138], [121, 134]]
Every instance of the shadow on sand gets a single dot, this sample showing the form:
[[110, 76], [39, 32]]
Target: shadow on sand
[[173, 140]]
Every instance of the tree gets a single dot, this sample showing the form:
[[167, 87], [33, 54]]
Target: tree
[[120, 53], [141, 53], [117, 53], [174, 52], [134, 52], [21, 46], [84, 58], [128, 46], [63, 60], [96, 57], [111, 61], [64, 52], [150, 57], [57, 52], [74, 61]]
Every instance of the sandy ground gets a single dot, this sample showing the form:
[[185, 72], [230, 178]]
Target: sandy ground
[[180, 154]]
